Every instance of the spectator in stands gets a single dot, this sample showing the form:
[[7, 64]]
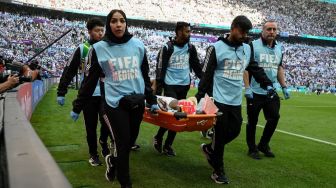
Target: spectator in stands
[[306, 64], [295, 17]]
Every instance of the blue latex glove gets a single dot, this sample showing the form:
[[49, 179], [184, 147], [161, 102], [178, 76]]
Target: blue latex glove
[[285, 93], [154, 108], [271, 92], [248, 93], [60, 100], [74, 115]]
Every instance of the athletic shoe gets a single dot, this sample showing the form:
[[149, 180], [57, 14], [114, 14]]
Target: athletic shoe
[[168, 150], [162, 104], [207, 155], [210, 134], [157, 143], [254, 155], [110, 168], [207, 134], [204, 133], [94, 161], [135, 147], [219, 177], [266, 150], [126, 186]]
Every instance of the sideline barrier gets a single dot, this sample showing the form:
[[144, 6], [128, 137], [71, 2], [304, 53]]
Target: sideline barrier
[[28, 162]]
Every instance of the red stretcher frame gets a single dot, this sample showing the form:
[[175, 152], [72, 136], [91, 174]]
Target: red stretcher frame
[[192, 122]]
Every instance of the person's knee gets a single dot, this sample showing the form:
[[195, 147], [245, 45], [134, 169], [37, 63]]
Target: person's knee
[[231, 136], [236, 131], [273, 119], [91, 133], [252, 122], [123, 149]]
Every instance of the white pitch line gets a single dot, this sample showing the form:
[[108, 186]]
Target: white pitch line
[[310, 106], [305, 106], [301, 136]]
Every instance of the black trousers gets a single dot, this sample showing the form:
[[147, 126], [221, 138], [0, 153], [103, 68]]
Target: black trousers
[[178, 92], [124, 126], [271, 108], [92, 110], [226, 129]]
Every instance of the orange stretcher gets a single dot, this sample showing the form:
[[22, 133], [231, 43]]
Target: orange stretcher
[[180, 121]]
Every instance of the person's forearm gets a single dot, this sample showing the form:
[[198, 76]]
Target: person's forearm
[[281, 76], [246, 79], [4, 86]]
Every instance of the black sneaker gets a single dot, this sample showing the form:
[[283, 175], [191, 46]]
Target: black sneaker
[[135, 147], [157, 143], [266, 150], [168, 150], [207, 154], [94, 161], [204, 133], [219, 177], [110, 167], [126, 186], [254, 155], [210, 134], [162, 104]]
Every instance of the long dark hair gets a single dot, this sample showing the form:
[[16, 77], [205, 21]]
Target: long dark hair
[[109, 36]]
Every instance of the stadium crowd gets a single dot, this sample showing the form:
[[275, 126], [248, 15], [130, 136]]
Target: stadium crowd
[[310, 66], [23, 36], [295, 17]]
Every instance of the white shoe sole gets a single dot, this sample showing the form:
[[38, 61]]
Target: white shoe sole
[[108, 164], [94, 164], [218, 182]]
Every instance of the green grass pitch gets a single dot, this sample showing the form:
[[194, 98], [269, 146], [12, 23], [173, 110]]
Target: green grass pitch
[[299, 162]]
